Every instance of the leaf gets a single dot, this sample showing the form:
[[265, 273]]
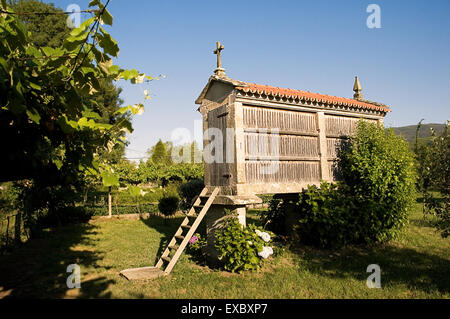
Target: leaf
[[4, 64], [57, 162], [35, 86], [107, 17], [34, 115], [109, 179], [108, 44], [129, 74], [82, 28], [94, 3], [114, 69], [91, 114], [134, 191], [106, 66]]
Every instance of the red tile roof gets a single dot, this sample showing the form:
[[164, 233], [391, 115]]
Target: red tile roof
[[314, 97]]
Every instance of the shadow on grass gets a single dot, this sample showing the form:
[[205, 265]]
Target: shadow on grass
[[399, 266], [166, 227], [38, 268]]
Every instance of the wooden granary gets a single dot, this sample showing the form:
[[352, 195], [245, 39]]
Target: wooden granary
[[260, 139], [274, 140]]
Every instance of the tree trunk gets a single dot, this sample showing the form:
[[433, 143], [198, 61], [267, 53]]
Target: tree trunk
[[85, 196], [109, 202], [139, 210]]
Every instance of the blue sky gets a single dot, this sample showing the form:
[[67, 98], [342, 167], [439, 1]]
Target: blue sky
[[317, 46]]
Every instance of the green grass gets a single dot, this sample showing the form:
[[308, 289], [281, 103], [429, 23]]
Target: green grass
[[417, 265]]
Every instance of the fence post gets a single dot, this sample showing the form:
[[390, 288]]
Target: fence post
[[109, 202], [17, 228], [7, 233]]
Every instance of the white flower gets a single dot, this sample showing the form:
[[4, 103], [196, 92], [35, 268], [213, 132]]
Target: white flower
[[266, 252], [250, 242], [264, 236]]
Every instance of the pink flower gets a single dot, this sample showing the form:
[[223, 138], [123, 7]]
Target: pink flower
[[193, 240]]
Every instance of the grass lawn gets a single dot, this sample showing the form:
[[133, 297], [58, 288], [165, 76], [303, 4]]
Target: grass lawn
[[417, 265]]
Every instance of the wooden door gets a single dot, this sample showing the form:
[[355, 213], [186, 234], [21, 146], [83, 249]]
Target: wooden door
[[219, 169]]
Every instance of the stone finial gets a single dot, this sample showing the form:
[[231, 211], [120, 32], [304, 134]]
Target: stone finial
[[357, 89], [219, 71]]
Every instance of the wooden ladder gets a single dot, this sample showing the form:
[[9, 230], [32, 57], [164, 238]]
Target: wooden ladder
[[201, 206], [178, 242]]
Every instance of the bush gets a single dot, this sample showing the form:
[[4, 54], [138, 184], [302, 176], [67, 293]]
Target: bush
[[189, 190], [327, 216], [275, 218], [239, 246], [196, 248], [372, 201], [168, 205], [378, 168]]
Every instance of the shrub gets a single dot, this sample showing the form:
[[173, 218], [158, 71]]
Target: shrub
[[196, 247], [239, 246], [188, 191], [168, 205], [327, 217], [372, 201], [378, 168], [275, 218]]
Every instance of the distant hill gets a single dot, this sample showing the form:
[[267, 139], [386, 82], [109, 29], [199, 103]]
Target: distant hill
[[409, 132]]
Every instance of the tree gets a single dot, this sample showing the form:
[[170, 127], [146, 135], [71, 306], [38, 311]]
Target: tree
[[50, 31], [46, 30], [433, 163], [48, 107], [160, 153], [136, 193]]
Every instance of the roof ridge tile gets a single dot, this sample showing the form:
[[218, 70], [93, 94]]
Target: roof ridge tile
[[311, 96]]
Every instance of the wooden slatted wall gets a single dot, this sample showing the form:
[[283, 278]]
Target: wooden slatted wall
[[296, 157]]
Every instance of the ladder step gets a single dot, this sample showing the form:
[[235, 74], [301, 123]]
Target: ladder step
[[197, 212], [168, 259]]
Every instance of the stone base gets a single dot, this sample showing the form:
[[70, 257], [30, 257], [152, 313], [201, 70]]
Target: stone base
[[142, 273], [215, 219]]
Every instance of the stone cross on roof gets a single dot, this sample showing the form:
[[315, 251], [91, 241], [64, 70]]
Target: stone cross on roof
[[219, 70]]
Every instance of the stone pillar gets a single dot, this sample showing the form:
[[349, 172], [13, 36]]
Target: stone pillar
[[241, 211], [215, 219]]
